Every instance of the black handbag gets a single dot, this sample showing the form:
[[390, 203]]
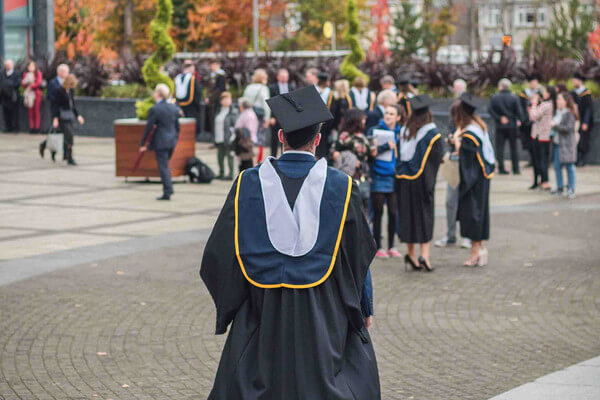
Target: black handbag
[[67, 115]]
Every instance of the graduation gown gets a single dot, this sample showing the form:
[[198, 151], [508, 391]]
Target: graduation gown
[[416, 172], [289, 343], [585, 106], [474, 187]]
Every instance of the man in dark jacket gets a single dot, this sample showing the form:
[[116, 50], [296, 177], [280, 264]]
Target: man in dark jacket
[[585, 106], [507, 114], [164, 119], [282, 86], [217, 84], [384, 98], [9, 96]]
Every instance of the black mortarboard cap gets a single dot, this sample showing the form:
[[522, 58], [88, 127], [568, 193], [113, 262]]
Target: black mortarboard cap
[[323, 76], [404, 80], [532, 77], [579, 75], [420, 104], [467, 102], [300, 114]]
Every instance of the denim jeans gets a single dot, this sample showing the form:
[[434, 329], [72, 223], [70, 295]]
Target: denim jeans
[[558, 166]]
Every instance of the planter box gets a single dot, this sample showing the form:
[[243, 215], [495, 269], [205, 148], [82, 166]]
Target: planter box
[[128, 136]]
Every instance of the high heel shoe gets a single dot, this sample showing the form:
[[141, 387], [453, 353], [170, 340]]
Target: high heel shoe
[[409, 260], [42, 148], [53, 155], [424, 264], [483, 258]]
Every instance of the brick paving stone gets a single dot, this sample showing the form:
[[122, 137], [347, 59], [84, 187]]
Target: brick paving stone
[[141, 326]]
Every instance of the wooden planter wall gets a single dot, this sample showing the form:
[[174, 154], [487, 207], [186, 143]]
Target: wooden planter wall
[[128, 136]]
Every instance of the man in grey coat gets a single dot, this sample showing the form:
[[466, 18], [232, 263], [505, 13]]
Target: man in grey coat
[[164, 119]]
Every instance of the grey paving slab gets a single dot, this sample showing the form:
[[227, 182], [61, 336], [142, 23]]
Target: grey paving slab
[[15, 270], [577, 382]]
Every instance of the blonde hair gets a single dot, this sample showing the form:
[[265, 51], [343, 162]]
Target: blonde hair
[[162, 90], [260, 76], [387, 95], [360, 82], [70, 82], [342, 88]]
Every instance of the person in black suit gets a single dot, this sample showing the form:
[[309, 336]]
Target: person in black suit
[[507, 114], [585, 106], [188, 93], [165, 117], [385, 98], [282, 86], [217, 84], [65, 114], [9, 96]]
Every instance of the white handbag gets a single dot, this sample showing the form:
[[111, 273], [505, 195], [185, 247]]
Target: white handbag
[[55, 140]]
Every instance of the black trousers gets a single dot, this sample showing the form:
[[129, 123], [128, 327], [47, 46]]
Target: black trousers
[[584, 145], [10, 113], [378, 200], [193, 111], [67, 129], [162, 159], [542, 161], [510, 135]]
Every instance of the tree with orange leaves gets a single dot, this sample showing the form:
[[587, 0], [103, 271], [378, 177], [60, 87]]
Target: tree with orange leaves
[[226, 25]]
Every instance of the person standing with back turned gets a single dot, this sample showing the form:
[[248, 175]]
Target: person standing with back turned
[[164, 117], [286, 264]]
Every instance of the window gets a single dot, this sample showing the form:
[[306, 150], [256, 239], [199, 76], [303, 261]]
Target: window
[[18, 24], [526, 17], [492, 17]]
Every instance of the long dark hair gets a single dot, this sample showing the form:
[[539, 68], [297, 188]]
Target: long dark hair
[[462, 118], [416, 122], [571, 106], [353, 121]]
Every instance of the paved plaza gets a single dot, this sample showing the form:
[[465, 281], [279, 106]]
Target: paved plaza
[[100, 296]]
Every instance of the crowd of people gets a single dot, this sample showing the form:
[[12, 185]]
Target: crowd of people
[[389, 144]]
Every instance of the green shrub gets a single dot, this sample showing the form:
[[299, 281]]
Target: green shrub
[[165, 49], [127, 91], [349, 67]]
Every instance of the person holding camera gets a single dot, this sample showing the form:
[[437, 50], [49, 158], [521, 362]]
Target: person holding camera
[[65, 114]]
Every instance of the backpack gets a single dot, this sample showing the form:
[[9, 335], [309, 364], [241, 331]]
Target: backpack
[[198, 172]]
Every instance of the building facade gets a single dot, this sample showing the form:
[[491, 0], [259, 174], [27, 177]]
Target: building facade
[[27, 29]]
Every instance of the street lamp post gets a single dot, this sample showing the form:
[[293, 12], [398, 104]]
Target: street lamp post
[[2, 29], [255, 13]]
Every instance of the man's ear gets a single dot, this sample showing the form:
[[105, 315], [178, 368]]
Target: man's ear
[[317, 139], [280, 136]]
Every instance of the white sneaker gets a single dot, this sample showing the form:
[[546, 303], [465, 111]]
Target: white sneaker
[[571, 194], [466, 243], [444, 243]]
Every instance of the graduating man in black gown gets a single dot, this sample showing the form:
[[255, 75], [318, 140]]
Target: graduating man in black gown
[[287, 266]]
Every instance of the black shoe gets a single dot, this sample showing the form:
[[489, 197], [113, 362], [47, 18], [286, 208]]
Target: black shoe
[[534, 186], [228, 178], [516, 173], [425, 264], [503, 172], [163, 198], [53, 155], [71, 162], [408, 260], [42, 149]]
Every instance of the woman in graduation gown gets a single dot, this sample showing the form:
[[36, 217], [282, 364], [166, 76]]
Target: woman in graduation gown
[[421, 152], [298, 331], [476, 164]]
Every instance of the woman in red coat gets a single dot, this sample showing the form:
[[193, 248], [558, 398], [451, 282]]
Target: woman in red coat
[[32, 83]]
